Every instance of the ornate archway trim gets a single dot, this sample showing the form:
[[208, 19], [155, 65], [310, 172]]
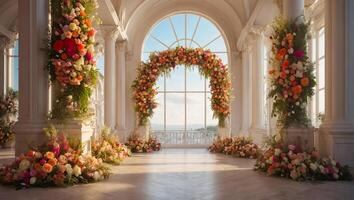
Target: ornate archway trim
[[210, 66]]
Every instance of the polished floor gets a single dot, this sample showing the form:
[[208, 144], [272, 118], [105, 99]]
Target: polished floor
[[183, 174]]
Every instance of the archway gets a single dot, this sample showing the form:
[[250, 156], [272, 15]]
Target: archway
[[209, 65]]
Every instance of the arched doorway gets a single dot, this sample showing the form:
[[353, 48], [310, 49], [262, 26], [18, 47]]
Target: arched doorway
[[184, 115]]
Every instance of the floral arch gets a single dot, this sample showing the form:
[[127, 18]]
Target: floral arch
[[209, 65]]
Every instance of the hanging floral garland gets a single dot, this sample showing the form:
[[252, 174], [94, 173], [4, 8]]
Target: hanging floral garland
[[210, 66], [72, 66], [291, 72]]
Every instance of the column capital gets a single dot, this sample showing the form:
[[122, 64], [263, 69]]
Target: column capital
[[6, 42], [110, 32]]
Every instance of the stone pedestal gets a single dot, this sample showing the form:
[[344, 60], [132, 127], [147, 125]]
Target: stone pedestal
[[299, 136], [142, 131], [79, 130]]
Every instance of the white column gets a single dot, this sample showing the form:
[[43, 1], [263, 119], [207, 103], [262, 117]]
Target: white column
[[257, 129], [33, 79], [293, 8], [120, 90], [111, 34], [337, 132], [3, 64], [246, 91]]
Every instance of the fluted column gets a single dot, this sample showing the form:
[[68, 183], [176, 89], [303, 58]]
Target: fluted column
[[111, 35], [293, 8], [33, 79], [337, 131], [120, 89], [246, 91]]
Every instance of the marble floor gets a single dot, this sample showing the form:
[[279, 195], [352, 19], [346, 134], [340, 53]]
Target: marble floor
[[183, 174]]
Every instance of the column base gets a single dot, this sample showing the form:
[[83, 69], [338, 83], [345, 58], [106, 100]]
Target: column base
[[258, 135], [28, 134], [300, 136], [337, 141], [224, 132], [77, 129]]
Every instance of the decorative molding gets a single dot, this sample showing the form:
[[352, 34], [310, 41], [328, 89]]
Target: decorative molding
[[110, 32], [6, 42]]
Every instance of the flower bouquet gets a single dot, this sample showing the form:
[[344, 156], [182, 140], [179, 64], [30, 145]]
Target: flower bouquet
[[139, 145], [241, 147], [59, 162], [108, 148], [291, 162], [8, 111]]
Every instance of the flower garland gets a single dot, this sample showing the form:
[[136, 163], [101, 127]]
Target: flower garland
[[108, 148], [291, 162], [8, 111], [139, 145], [291, 73], [72, 66], [241, 147], [57, 163], [210, 66]]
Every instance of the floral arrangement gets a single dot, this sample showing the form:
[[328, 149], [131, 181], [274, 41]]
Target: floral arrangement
[[57, 163], [291, 72], [72, 66], [210, 66], [241, 147], [140, 145], [108, 148], [291, 162], [8, 111]]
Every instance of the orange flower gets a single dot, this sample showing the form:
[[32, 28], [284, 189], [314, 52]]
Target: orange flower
[[52, 161], [82, 13], [305, 81], [37, 166], [75, 34], [296, 89], [49, 155], [47, 168], [285, 64], [290, 36]]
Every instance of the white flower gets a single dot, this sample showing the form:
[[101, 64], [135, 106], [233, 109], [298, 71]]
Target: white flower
[[313, 166], [77, 170], [39, 154], [73, 74], [90, 48], [277, 152], [96, 176], [299, 74], [321, 169], [24, 164], [335, 176], [68, 169], [291, 51], [33, 180]]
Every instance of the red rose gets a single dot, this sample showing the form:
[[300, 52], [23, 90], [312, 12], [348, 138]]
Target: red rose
[[70, 46], [58, 45]]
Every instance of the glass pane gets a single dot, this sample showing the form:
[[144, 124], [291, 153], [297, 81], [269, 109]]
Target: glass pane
[[15, 49], [217, 45], [145, 57], [211, 123], [321, 73], [195, 111], [321, 101], [175, 111], [157, 120], [100, 63], [179, 24], [175, 79], [192, 21], [163, 31], [195, 81], [151, 45], [321, 45], [14, 70], [206, 32]]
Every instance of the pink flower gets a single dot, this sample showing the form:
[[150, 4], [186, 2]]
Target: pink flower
[[42, 161], [299, 54]]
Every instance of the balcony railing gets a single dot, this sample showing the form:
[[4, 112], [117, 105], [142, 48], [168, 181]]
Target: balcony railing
[[185, 137]]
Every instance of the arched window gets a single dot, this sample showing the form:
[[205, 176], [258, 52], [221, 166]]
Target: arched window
[[184, 112], [14, 66]]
